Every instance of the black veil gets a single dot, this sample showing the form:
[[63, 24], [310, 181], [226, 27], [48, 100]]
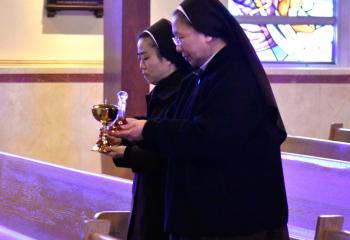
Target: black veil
[[213, 19]]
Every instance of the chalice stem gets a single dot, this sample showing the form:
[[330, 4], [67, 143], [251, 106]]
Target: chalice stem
[[104, 137]]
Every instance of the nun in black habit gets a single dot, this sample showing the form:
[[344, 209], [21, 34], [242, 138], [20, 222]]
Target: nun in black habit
[[224, 171], [163, 66]]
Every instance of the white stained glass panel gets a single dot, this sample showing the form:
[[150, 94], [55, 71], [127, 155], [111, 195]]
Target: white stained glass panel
[[286, 43], [277, 40]]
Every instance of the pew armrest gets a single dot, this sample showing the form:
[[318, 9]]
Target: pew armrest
[[337, 235], [330, 227], [333, 129], [92, 226], [119, 222], [99, 236]]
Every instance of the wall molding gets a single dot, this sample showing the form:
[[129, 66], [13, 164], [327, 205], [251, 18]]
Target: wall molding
[[98, 77], [312, 79], [51, 78], [50, 66]]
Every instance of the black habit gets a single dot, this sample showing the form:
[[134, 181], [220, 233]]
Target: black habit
[[224, 170], [146, 221], [224, 174]]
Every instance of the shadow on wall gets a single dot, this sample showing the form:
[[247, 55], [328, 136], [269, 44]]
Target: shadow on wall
[[72, 22]]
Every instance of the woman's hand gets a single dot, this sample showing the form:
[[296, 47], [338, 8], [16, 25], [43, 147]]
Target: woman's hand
[[112, 140], [132, 130], [115, 151]]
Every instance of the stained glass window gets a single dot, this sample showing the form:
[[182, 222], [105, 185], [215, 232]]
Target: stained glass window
[[289, 30]]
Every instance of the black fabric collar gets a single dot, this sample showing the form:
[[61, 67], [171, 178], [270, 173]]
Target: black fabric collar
[[167, 87], [222, 56]]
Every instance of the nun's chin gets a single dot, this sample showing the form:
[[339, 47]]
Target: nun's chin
[[146, 79], [193, 63], [190, 61]]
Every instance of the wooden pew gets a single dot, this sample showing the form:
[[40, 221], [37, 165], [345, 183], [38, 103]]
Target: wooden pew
[[338, 133], [317, 147], [330, 227], [315, 186], [46, 201]]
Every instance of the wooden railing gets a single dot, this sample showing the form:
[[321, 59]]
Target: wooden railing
[[317, 147]]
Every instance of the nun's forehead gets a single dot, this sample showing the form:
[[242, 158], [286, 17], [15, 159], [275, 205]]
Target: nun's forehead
[[180, 28], [179, 18]]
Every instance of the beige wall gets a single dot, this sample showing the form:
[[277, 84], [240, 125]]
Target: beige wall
[[49, 121], [27, 34], [52, 121], [309, 109], [164, 9]]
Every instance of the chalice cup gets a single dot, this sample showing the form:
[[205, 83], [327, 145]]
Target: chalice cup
[[106, 114]]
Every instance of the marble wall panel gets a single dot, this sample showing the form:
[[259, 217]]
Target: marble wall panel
[[299, 107], [309, 109], [51, 122], [334, 106]]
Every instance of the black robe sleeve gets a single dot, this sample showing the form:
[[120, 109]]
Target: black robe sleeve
[[138, 159]]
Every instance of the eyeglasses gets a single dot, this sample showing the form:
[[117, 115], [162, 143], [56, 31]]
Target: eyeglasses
[[177, 40]]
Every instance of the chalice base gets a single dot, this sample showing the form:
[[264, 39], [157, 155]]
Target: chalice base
[[99, 148]]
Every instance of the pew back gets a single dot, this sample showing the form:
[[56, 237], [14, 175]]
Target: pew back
[[46, 201], [342, 135], [338, 133], [317, 147], [334, 127]]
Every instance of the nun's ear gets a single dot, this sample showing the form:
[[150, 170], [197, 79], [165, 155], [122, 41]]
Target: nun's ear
[[167, 61], [208, 38]]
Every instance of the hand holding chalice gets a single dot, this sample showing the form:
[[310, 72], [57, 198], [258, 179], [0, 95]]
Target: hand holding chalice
[[105, 114], [111, 117]]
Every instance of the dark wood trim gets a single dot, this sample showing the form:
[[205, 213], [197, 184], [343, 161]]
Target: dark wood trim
[[317, 79], [27, 78], [123, 21], [52, 6], [132, 85], [136, 17]]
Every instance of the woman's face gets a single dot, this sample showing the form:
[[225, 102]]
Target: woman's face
[[153, 67], [192, 45]]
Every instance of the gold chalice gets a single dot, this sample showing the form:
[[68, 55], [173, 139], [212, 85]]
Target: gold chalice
[[105, 114]]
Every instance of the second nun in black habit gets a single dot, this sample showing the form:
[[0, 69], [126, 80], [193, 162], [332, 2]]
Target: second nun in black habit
[[224, 173], [162, 66]]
